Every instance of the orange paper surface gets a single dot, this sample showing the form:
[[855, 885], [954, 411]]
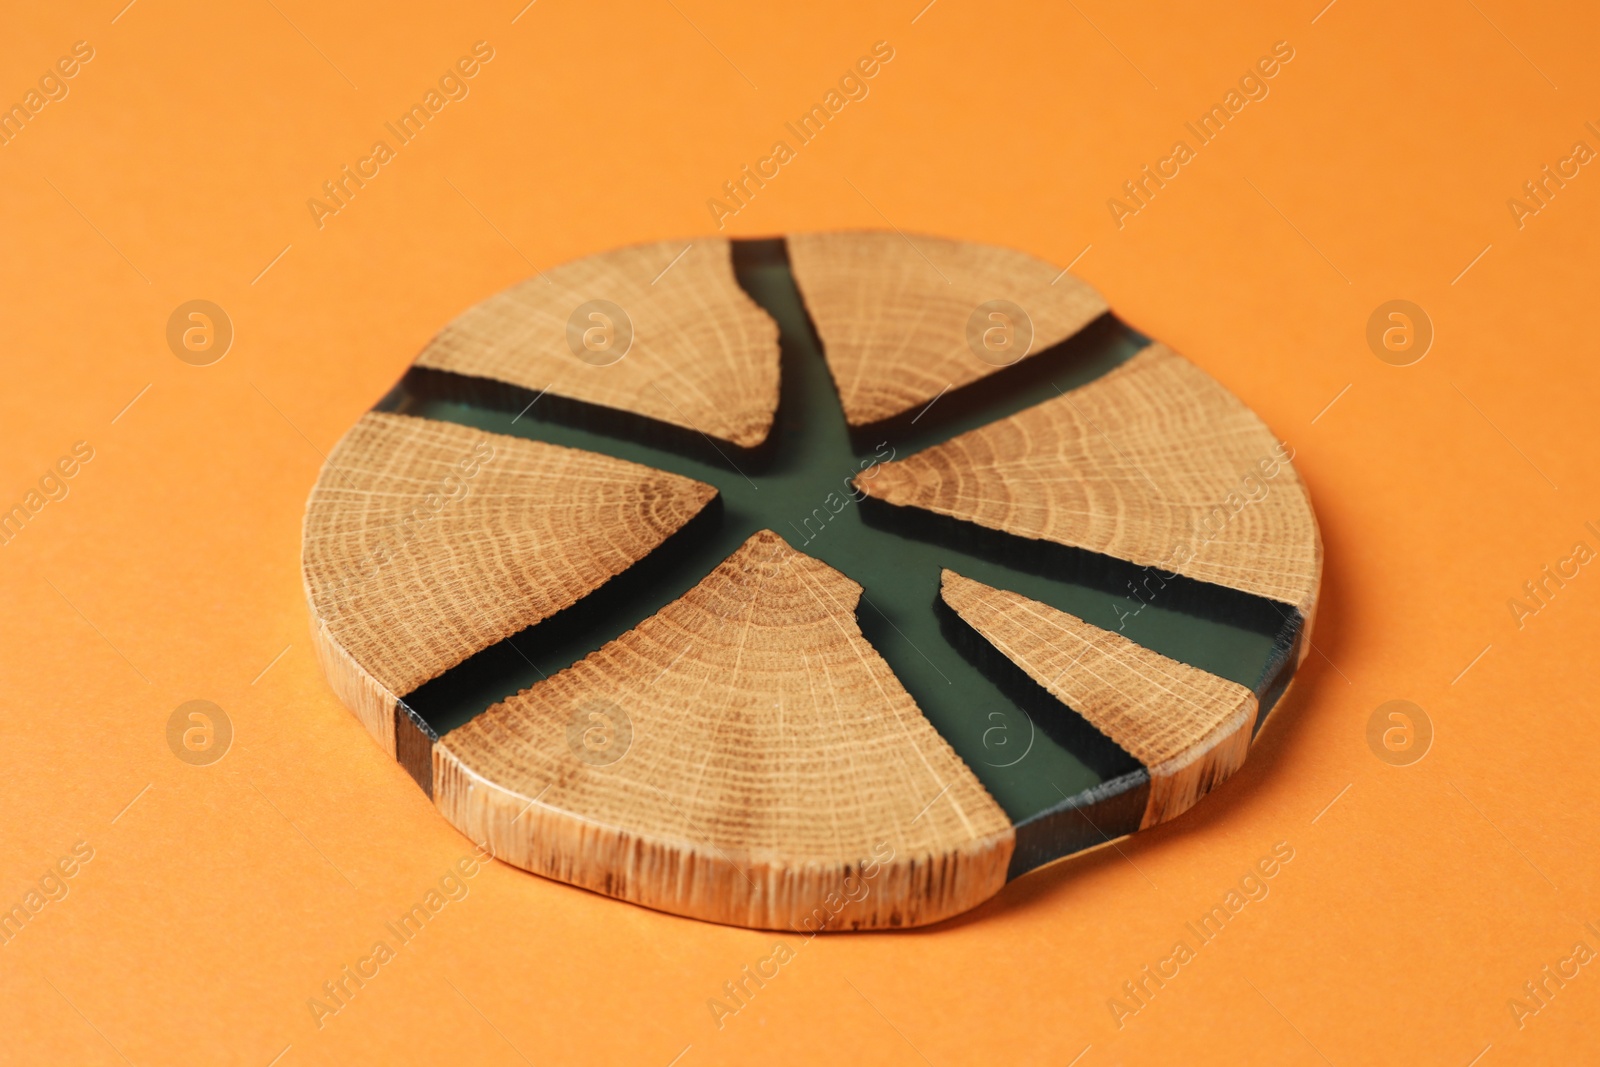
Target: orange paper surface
[[177, 164]]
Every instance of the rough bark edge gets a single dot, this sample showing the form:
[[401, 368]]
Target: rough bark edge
[[699, 881], [1178, 784], [372, 703]]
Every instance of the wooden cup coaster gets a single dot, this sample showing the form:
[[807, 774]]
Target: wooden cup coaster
[[818, 583]]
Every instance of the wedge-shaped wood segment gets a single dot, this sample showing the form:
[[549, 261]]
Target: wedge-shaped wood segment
[[426, 542], [1155, 463], [1189, 728], [690, 348], [894, 315], [756, 763]]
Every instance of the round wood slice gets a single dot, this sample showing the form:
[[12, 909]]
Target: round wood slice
[[743, 748]]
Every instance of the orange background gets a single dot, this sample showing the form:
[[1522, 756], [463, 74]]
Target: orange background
[[179, 166]]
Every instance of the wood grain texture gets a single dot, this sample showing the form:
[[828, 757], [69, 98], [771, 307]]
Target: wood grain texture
[[426, 542], [773, 757], [703, 357], [1155, 463], [892, 313], [1189, 728]]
